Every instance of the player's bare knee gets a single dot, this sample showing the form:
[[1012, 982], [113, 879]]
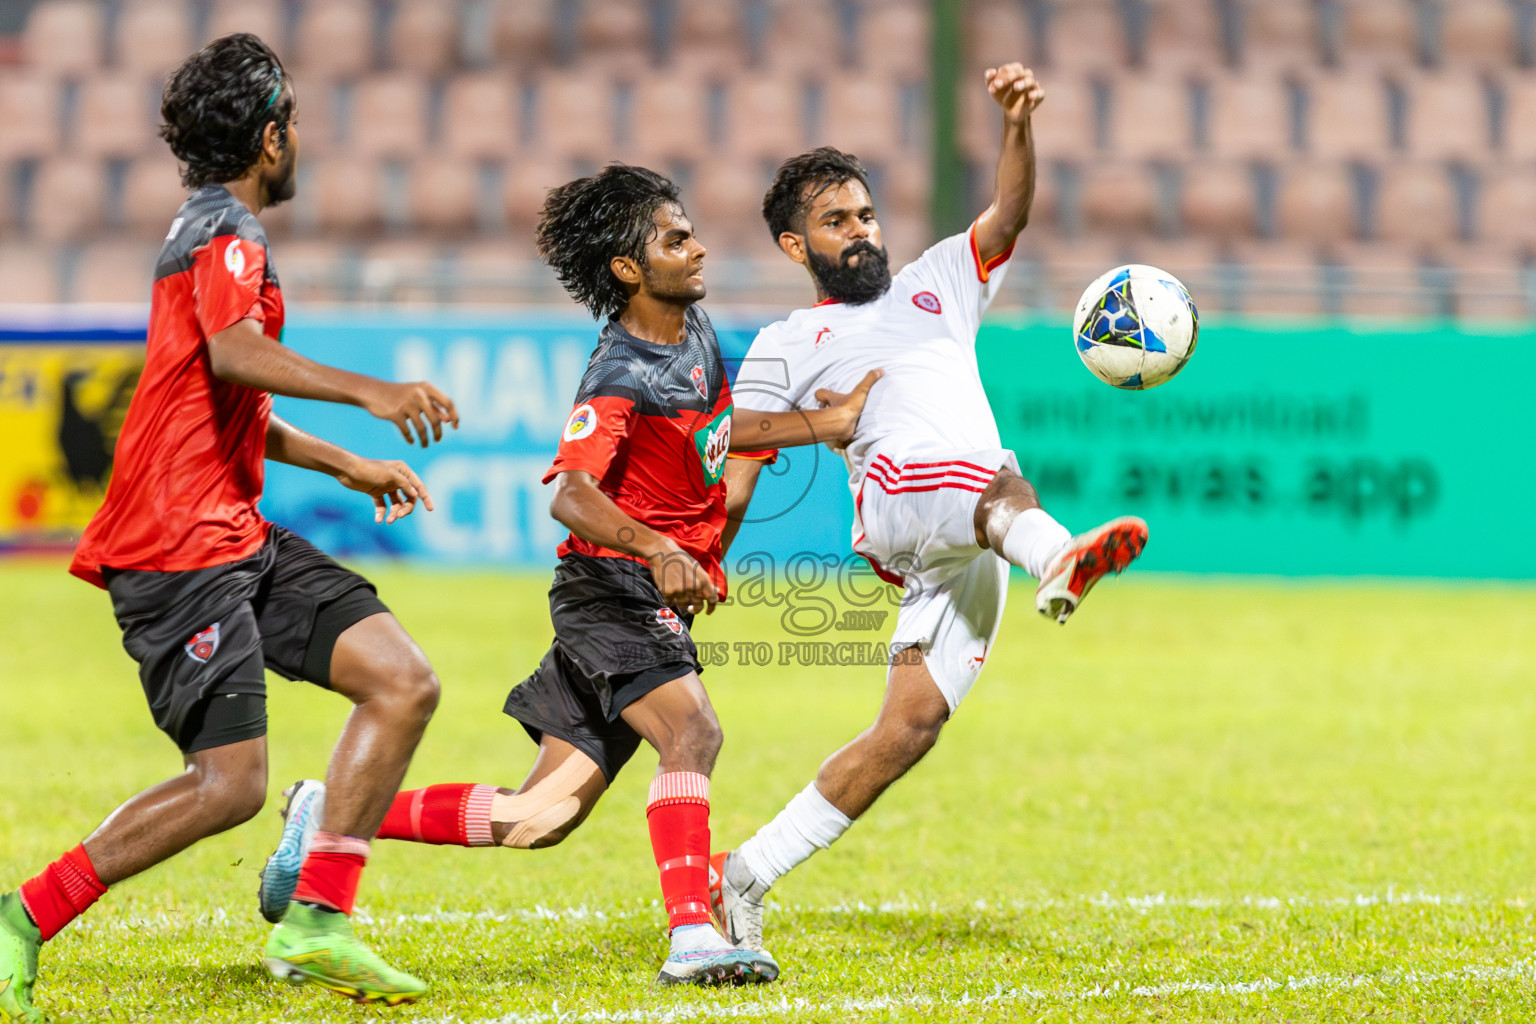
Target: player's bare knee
[[413, 690], [230, 794], [702, 739]]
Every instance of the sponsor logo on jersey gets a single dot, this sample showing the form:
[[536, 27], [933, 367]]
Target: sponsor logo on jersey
[[697, 376], [175, 228], [581, 424], [825, 334], [927, 302], [713, 442], [667, 617], [204, 645], [234, 257], [974, 663]]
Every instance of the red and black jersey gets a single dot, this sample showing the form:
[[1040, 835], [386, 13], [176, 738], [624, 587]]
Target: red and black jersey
[[188, 470], [653, 424]]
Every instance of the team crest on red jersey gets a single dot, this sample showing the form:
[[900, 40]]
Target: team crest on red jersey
[[697, 376], [667, 617], [204, 645], [927, 302]]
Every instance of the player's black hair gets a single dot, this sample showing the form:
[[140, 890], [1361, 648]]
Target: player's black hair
[[588, 222], [800, 180], [217, 104]]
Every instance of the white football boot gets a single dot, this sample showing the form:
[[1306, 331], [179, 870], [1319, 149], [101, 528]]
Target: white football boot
[[736, 899], [1086, 559], [301, 819], [701, 956]]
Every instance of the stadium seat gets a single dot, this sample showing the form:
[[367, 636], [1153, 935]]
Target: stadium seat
[[480, 116], [1250, 117], [528, 182], [390, 116], [1280, 33], [724, 203], [1488, 284], [904, 187], [1279, 278], [525, 32], [346, 194], [1217, 200], [1118, 199], [1508, 206], [115, 116], [423, 36], [115, 271], [575, 116], [1381, 33], [1316, 203], [1479, 32], [261, 17], [862, 116], [153, 36], [1348, 117], [65, 37], [1418, 205], [1151, 118], [1448, 117], [995, 33], [615, 37], [1184, 36], [152, 195], [68, 199], [334, 39], [764, 118], [443, 194], [708, 22], [670, 117], [1063, 127], [29, 109], [803, 38], [28, 273], [1520, 114], [895, 38], [1087, 36]]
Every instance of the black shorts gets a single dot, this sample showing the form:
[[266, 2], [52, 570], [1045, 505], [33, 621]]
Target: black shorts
[[615, 641], [202, 636]]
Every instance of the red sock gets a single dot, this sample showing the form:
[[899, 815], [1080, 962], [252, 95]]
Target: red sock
[[331, 872], [453, 815], [62, 892], [678, 814]]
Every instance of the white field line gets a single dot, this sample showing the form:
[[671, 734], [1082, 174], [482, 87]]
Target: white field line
[[782, 1008], [220, 918]]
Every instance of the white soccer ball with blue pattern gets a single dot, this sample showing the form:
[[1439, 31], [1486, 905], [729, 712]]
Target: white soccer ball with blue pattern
[[1136, 327]]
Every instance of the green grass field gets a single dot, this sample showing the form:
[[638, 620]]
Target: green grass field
[[1202, 800]]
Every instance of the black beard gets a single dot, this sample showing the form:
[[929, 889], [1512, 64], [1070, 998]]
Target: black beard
[[866, 282], [284, 190]]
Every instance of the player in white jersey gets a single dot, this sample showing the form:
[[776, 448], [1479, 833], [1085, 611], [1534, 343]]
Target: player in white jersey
[[939, 505]]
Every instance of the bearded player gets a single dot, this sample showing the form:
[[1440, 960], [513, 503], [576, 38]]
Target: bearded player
[[205, 590], [639, 482], [939, 506]]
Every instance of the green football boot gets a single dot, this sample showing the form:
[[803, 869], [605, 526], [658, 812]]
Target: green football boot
[[19, 943], [319, 946]]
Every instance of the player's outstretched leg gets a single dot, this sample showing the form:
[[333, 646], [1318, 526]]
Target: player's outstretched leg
[[380, 669], [850, 781], [677, 719], [1010, 521], [19, 942]]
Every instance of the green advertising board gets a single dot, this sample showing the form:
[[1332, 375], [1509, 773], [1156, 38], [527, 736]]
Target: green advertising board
[[1382, 449]]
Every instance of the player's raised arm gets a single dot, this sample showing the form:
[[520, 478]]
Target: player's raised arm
[[392, 485], [581, 506], [1013, 87], [243, 354], [833, 424]]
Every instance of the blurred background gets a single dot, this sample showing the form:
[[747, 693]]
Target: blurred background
[[1346, 186]]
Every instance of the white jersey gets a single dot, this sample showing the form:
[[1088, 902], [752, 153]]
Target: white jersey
[[922, 333]]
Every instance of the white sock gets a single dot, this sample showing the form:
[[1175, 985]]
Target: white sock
[[692, 937], [1033, 540], [807, 823]]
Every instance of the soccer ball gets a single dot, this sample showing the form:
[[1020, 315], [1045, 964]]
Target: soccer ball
[[1136, 327]]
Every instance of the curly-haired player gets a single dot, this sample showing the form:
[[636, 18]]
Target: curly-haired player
[[206, 591], [638, 481], [939, 506]]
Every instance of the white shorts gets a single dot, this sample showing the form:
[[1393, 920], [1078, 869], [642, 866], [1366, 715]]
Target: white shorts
[[916, 525]]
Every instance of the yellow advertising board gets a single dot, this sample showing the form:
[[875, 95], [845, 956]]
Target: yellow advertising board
[[62, 399]]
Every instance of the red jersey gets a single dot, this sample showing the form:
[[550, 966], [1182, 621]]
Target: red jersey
[[189, 466], [653, 424]]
